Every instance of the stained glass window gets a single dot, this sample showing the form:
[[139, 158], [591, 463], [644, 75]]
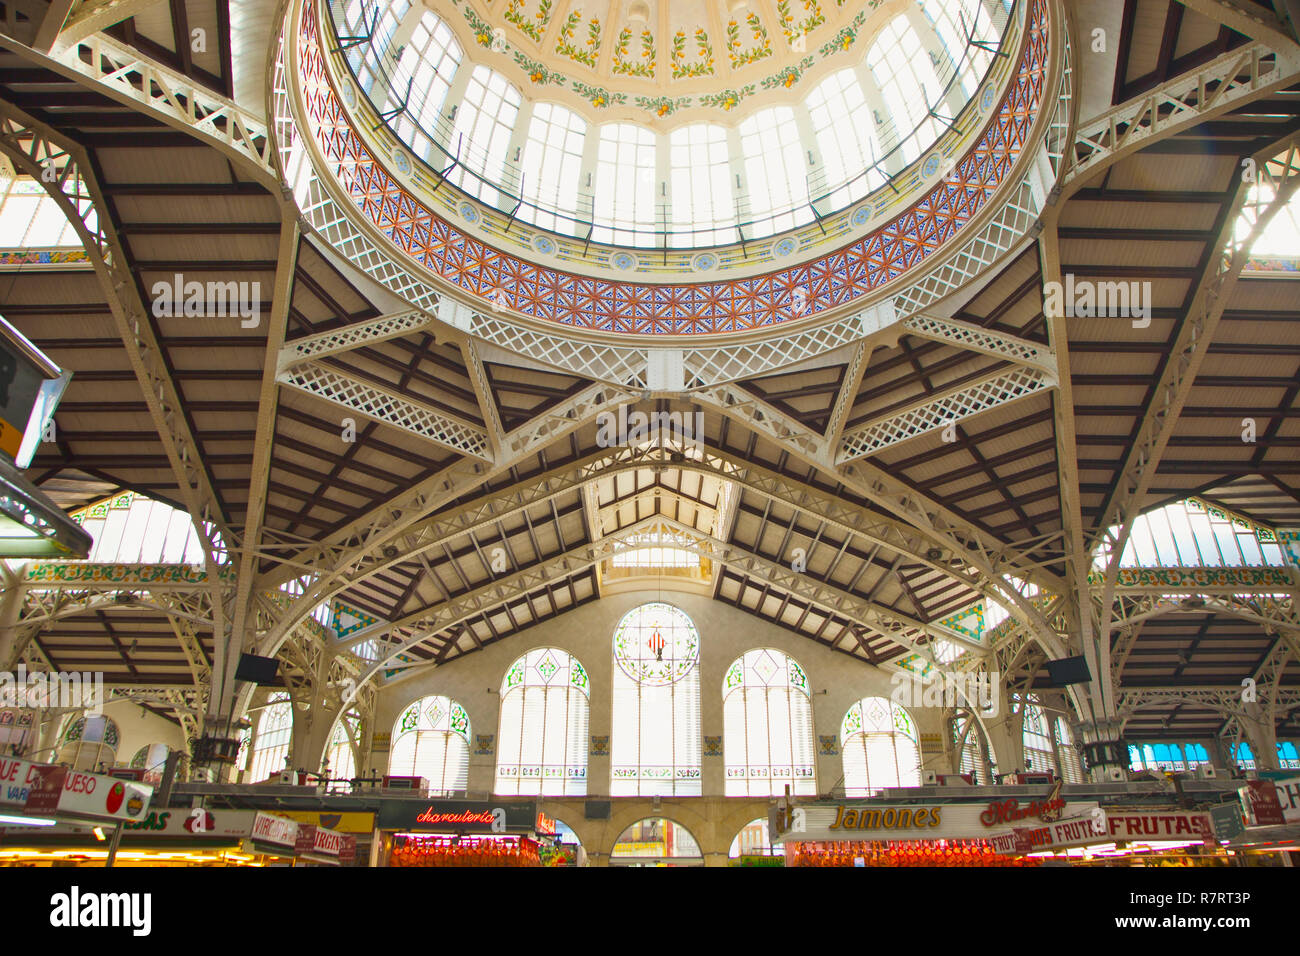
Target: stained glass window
[[89, 742], [152, 759], [542, 734], [131, 529], [656, 747], [271, 744], [880, 747], [768, 727], [431, 740], [1193, 533]]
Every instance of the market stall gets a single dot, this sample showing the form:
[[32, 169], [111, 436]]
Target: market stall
[[451, 833]]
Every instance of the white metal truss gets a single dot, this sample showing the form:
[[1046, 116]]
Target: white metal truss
[[848, 393], [362, 542], [387, 406], [1279, 171], [34, 148], [942, 410], [90, 16], [478, 378], [1184, 101], [122, 74], [975, 338], [354, 336]]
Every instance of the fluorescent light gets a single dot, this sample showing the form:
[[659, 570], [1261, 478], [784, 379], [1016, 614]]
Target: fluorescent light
[[27, 821]]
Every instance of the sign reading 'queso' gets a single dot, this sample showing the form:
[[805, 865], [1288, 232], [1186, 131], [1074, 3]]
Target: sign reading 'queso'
[[887, 818]]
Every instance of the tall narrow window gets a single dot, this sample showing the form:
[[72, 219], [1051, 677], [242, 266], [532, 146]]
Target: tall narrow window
[[485, 119], [776, 172], [878, 742], [152, 759], [431, 740], [1067, 754], [625, 184], [767, 720], [271, 743], [846, 137], [542, 736], [657, 747], [428, 65], [552, 165], [701, 184], [907, 80], [1037, 741], [342, 753]]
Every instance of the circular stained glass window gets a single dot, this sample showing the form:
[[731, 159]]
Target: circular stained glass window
[[656, 644]]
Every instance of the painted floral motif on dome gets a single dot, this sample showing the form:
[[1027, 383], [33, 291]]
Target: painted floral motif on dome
[[900, 244]]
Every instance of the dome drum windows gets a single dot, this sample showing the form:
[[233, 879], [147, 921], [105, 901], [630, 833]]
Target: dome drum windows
[[571, 171]]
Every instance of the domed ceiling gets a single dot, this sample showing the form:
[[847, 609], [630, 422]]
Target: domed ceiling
[[659, 59]]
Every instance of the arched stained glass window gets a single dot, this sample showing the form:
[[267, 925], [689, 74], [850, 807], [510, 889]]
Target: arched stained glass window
[[542, 734], [152, 759], [431, 740], [656, 747], [1037, 739], [879, 745], [768, 727], [271, 744], [89, 741]]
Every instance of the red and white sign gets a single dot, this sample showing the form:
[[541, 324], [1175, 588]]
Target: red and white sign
[[16, 778], [318, 841], [545, 824], [1271, 802], [1110, 826], [58, 791], [268, 828]]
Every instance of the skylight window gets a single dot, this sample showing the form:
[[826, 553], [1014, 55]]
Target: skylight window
[[132, 529], [429, 62], [1194, 534], [701, 184], [654, 550], [776, 171], [484, 121], [846, 137], [625, 181], [30, 218], [906, 77], [552, 165]]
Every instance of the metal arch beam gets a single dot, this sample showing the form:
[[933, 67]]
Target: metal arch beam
[[848, 518], [1188, 353], [1224, 83], [976, 338], [493, 593], [388, 407], [1254, 23], [92, 16], [848, 393], [31, 145], [926, 521], [362, 541], [483, 392], [890, 624], [939, 411]]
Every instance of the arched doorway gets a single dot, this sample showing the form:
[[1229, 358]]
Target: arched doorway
[[656, 841]]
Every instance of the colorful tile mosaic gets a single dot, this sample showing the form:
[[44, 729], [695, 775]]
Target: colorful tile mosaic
[[484, 745], [600, 746], [713, 746], [577, 301], [829, 745]]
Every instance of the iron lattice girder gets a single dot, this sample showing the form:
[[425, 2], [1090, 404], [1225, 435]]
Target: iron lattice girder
[[1195, 334], [976, 338], [485, 512], [933, 527], [940, 411], [350, 337], [389, 407], [122, 74], [359, 545], [490, 595], [1213, 89], [34, 148]]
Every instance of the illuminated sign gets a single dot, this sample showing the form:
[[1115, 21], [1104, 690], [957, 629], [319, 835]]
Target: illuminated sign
[[1003, 812], [457, 816], [889, 818], [545, 824]]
